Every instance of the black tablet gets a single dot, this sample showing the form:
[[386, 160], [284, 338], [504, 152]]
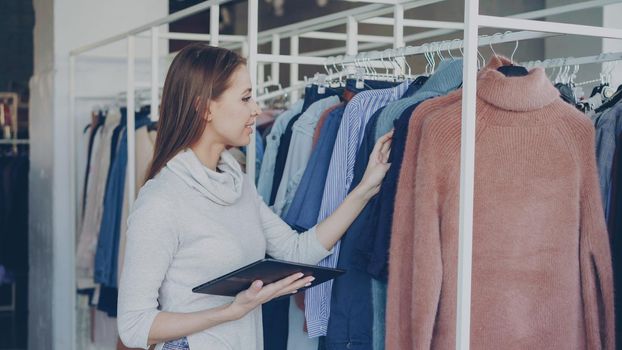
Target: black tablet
[[266, 270]]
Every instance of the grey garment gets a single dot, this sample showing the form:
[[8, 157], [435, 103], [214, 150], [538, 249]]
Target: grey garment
[[379, 302], [185, 229], [608, 127], [266, 173], [300, 149], [179, 344], [447, 78]]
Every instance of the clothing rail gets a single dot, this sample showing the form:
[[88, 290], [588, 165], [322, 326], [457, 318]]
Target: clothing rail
[[473, 21], [368, 58], [572, 61], [15, 142], [483, 40]]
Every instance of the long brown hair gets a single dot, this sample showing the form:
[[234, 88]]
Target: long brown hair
[[199, 74]]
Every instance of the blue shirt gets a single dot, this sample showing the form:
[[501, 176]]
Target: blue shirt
[[447, 78], [305, 207], [300, 148], [608, 127]]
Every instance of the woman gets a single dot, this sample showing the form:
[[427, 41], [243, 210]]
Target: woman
[[198, 218]]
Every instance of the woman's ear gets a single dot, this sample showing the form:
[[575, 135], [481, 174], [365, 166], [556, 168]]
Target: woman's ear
[[208, 113], [205, 110]]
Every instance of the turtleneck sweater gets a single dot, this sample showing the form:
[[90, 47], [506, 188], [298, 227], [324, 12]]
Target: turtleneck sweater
[[190, 225], [541, 273]]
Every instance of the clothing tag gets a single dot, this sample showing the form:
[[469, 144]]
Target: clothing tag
[[321, 89], [360, 84]]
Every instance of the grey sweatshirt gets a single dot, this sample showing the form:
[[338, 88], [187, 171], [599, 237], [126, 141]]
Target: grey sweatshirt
[[190, 225]]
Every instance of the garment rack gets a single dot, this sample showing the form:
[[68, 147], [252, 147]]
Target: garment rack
[[473, 20]]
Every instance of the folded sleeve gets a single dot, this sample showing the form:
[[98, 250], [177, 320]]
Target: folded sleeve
[[151, 243]]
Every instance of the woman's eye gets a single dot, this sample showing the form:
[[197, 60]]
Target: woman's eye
[[246, 99]]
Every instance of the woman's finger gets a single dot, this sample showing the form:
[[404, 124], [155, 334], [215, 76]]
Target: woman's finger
[[274, 288], [305, 282], [382, 140]]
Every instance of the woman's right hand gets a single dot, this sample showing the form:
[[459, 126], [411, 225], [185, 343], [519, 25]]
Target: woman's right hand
[[258, 294]]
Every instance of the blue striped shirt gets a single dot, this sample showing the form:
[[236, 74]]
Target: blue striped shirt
[[340, 173]]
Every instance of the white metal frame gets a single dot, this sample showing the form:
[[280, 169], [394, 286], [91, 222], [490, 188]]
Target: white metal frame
[[365, 14], [473, 21]]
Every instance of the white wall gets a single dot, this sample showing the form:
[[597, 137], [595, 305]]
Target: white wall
[[573, 46], [62, 25]]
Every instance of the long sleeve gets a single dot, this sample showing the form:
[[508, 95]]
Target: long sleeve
[[427, 258], [150, 247], [595, 255], [284, 243]]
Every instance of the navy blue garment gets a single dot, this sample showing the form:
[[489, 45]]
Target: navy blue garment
[[415, 86], [107, 302], [369, 85], [350, 324], [305, 207], [614, 225], [106, 256], [281, 157], [312, 95], [275, 319], [375, 242]]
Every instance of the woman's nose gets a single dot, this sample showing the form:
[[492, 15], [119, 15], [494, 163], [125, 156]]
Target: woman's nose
[[257, 109]]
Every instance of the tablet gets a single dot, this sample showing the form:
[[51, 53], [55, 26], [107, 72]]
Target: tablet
[[268, 271]]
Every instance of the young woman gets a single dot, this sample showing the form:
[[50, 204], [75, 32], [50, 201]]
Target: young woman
[[198, 217]]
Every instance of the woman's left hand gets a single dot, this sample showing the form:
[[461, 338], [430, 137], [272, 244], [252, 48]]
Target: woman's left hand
[[377, 167]]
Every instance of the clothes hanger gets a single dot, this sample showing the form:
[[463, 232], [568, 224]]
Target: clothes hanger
[[613, 100], [512, 70]]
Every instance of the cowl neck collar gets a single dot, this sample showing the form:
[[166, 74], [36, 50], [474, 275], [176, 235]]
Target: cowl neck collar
[[223, 187]]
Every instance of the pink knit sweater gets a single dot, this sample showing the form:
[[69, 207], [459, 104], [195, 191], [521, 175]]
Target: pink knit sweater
[[541, 262]]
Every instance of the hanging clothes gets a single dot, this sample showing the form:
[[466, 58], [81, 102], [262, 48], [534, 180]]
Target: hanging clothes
[[293, 142], [541, 260], [608, 149], [266, 174], [608, 126], [106, 257], [340, 173], [299, 152], [87, 241], [351, 316], [305, 207], [14, 167], [311, 96], [97, 121]]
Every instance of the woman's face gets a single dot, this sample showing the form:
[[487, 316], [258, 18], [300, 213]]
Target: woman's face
[[231, 117]]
